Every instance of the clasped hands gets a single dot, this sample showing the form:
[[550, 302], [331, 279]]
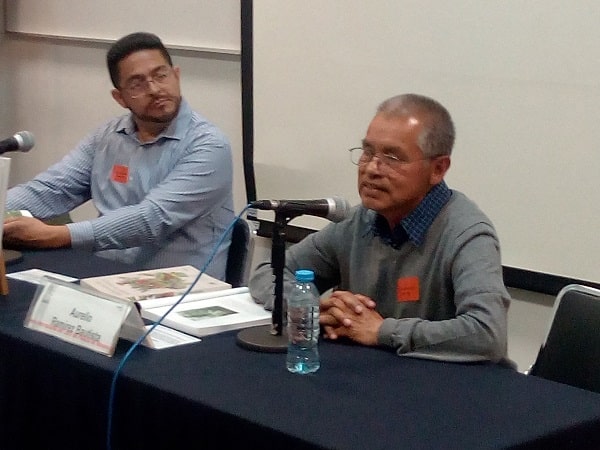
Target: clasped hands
[[345, 314], [29, 232]]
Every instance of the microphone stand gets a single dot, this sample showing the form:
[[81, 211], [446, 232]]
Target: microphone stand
[[271, 338]]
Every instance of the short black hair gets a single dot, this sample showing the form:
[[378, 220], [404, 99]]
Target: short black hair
[[129, 44]]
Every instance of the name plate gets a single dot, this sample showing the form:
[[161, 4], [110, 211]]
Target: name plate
[[78, 316]]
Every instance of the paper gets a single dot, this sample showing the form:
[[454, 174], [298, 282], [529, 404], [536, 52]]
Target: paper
[[65, 311], [164, 337], [202, 315], [39, 276]]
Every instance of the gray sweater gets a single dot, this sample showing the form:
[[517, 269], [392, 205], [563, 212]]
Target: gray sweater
[[461, 311]]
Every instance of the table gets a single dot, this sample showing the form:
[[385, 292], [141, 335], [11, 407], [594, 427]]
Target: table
[[215, 394]]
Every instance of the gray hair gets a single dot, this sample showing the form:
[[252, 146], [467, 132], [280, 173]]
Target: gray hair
[[437, 137]]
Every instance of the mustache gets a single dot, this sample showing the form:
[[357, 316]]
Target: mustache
[[371, 185]]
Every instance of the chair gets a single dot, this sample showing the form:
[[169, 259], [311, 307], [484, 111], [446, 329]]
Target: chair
[[570, 353], [239, 257]]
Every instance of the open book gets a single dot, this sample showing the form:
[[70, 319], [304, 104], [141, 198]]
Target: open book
[[208, 313], [156, 283]]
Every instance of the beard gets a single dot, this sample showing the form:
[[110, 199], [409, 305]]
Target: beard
[[160, 110]]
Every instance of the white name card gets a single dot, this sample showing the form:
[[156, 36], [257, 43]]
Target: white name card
[[78, 316]]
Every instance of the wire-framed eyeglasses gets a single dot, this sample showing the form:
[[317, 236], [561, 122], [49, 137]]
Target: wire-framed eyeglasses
[[139, 85], [361, 156]]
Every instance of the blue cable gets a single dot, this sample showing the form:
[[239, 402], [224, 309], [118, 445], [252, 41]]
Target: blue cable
[[113, 385]]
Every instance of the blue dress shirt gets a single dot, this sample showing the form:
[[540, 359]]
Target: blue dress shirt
[[161, 203]]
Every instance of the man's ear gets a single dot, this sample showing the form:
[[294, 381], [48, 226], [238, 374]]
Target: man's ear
[[441, 164], [116, 94]]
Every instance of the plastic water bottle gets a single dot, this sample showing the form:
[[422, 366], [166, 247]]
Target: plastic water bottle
[[303, 325]]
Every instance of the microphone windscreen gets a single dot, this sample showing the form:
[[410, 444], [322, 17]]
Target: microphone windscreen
[[339, 210], [26, 140]]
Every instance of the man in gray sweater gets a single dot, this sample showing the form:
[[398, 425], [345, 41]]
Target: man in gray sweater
[[416, 267]]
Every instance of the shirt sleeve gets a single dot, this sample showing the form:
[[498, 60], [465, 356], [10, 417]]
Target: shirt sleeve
[[62, 187]]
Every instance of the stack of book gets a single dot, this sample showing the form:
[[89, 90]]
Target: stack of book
[[211, 306]]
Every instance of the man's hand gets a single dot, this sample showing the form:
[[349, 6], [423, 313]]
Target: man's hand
[[345, 314], [28, 232]]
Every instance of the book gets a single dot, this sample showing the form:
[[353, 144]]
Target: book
[[17, 213], [164, 337], [210, 313], [155, 283]]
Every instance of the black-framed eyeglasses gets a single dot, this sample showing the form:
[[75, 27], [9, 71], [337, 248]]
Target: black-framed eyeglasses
[[139, 85], [361, 156]]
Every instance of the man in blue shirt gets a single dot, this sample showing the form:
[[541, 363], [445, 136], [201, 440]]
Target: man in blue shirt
[[159, 176], [416, 267]]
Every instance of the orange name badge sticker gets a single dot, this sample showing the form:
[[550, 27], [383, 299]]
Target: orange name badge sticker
[[407, 289], [120, 174]]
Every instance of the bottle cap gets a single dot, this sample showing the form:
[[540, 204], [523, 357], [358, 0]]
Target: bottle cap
[[305, 275]]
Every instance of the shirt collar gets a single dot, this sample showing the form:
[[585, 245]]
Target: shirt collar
[[175, 130], [415, 225]]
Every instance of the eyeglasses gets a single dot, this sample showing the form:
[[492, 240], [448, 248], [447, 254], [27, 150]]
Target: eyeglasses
[[361, 156], [139, 85]]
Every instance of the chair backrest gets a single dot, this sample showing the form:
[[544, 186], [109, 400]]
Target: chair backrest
[[570, 353], [239, 257]]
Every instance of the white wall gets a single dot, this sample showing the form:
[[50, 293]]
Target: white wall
[[5, 112], [207, 24], [529, 318], [521, 79]]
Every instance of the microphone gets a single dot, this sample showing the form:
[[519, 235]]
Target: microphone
[[22, 141], [335, 209]]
